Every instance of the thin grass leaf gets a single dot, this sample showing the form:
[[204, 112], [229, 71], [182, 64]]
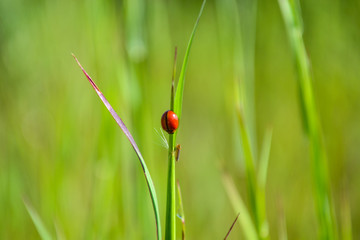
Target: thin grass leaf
[[172, 97], [181, 83], [262, 174], [181, 213], [239, 206], [323, 202], [232, 225], [121, 124], [264, 158], [40, 227], [249, 169], [170, 228]]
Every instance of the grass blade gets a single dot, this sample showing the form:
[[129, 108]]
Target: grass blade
[[323, 204], [264, 158], [261, 177], [181, 83], [172, 98], [239, 206], [40, 227], [232, 225], [181, 213], [121, 124], [170, 228], [249, 169]]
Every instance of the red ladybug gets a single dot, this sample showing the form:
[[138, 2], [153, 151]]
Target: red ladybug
[[169, 121]]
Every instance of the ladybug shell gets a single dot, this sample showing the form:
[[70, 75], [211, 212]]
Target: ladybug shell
[[169, 121]]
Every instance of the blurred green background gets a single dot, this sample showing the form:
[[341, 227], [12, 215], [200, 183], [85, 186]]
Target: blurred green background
[[61, 151]]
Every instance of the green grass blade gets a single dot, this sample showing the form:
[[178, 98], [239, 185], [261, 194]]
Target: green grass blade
[[249, 169], [181, 213], [121, 124], [172, 97], [264, 159], [40, 227], [170, 228], [181, 83], [239, 206], [262, 174], [323, 204]]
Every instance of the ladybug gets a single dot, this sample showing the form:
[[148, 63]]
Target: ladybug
[[169, 121]]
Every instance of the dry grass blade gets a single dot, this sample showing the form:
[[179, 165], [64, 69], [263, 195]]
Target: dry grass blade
[[118, 120], [239, 206], [232, 225]]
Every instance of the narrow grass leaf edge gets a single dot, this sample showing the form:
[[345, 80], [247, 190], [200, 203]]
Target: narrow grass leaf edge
[[181, 83], [39, 225], [239, 207], [231, 227], [121, 124], [264, 158], [181, 213]]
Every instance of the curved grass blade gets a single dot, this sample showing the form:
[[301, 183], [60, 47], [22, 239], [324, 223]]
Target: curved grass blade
[[121, 124], [239, 206], [40, 227], [232, 225]]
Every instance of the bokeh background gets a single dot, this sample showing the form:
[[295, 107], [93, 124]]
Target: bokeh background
[[61, 151]]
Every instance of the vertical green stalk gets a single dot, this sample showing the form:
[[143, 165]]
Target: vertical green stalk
[[170, 232], [292, 17], [170, 229], [176, 106]]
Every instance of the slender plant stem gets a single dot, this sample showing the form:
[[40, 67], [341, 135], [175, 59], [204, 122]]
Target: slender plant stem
[[176, 106], [170, 232]]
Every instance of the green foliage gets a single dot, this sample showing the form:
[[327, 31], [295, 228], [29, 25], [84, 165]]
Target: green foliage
[[60, 148], [40, 227], [323, 203], [176, 105], [136, 149]]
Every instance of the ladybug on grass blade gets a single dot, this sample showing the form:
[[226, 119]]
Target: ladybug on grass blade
[[169, 121]]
